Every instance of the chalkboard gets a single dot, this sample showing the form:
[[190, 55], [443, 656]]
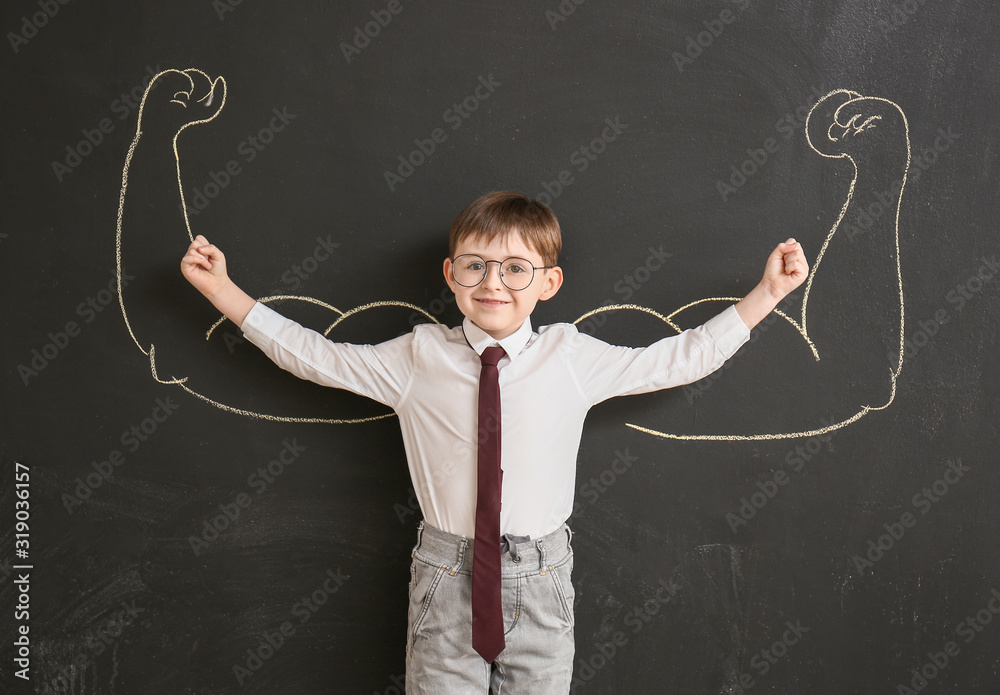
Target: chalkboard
[[819, 516]]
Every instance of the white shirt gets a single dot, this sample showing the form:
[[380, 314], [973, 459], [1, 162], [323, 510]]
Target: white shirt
[[549, 379]]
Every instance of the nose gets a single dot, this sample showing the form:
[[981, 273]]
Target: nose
[[492, 281]]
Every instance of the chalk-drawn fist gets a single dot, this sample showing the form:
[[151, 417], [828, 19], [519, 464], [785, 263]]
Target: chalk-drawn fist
[[176, 99], [845, 123]]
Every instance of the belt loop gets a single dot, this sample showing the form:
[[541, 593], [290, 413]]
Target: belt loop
[[540, 544], [569, 535], [462, 547], [420, 532]]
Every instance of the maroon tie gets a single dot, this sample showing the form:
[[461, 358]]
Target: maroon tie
[[487, 610]]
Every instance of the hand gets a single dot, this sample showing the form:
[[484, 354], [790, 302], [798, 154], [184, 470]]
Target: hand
[[785, 270], [204, 266]]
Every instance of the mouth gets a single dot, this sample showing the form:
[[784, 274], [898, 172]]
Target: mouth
[[491, 302]]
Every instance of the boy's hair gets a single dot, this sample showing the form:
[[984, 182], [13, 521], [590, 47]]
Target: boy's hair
[[502, 213]]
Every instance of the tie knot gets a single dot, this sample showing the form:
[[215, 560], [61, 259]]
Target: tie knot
[[492, 355]]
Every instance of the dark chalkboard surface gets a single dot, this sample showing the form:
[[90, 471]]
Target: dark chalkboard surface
[[822, 526]]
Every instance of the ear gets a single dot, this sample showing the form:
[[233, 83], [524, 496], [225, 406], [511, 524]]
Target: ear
[[447, 274], [553, 281]]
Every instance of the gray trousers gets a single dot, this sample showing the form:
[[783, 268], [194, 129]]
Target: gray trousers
[[537, 595]]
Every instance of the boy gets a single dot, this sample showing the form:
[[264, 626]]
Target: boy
[[510, 623]]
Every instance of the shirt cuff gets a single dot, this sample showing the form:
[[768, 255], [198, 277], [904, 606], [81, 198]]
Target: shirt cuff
[[261, 324], [728, 330]]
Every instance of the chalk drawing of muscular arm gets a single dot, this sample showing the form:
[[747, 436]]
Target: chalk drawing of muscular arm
[[851, 319], [869, 133], [151, 206]]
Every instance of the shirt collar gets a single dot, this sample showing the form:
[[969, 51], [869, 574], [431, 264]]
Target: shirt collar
[[512, 344]]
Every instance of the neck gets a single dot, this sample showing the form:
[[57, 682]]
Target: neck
[[498, 335]]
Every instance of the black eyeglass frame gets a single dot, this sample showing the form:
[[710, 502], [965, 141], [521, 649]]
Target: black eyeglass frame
[[486, 271]]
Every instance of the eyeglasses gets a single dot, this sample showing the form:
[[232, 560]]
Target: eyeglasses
[[515, 273]]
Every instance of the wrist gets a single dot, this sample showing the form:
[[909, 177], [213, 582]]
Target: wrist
[[756, 305], [232, 301], [222, 288], [768, 291]]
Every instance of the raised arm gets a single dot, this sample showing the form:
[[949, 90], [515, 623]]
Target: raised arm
[[612, 370], [164, 316], [379, 372]]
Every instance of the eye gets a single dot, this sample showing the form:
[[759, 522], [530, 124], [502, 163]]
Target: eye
[[516, 269], [474, 265]]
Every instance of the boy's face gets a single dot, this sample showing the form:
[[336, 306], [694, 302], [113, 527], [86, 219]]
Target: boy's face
[[491, 305]]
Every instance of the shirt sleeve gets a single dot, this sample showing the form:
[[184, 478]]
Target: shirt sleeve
[[380, 372], [604, 371]]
